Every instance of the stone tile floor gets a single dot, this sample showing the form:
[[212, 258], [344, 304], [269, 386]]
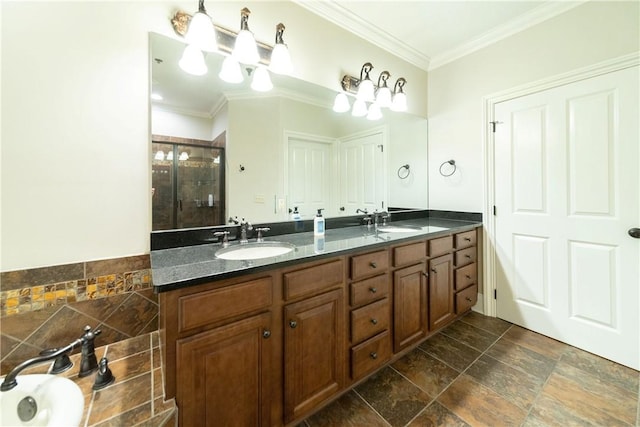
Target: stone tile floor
[[483, 371]]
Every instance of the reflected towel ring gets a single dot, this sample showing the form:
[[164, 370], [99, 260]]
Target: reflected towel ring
[[404, 175], [452, 163]]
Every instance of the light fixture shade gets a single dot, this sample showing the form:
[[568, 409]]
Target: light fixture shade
[[230, 71], [159, 155], [170, 155], [280, 60], [341, 103], [399, 102], [192, 61], [374, 112], [261, 80], [245, 50], [183, 156], [383, 98], [201, 32], [366, 91], [359, 108]]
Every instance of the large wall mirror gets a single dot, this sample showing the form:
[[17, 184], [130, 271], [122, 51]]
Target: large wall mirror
[[260, 155]]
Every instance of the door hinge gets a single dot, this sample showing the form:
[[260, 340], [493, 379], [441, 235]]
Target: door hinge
[[493, 125], [495, 294], [494, 210]]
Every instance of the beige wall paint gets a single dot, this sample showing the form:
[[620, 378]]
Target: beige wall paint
[[585, 35], [76, 173]]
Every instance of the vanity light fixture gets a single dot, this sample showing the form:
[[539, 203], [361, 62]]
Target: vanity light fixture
[[280, 57], [170, 155], [399, 97], [245, 49], [159, 155], [341, 103], [201, 32], [359, 108], [374, 113], [183, 156], [192, 61], [383, 96], [366, 89]]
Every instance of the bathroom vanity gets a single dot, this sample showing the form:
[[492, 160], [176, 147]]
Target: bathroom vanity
[[269, 342]]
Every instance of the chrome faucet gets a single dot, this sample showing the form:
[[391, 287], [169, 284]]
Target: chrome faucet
[[364, 211], [87, 364], [261, 230], [244, 227], [225, 237], [378, 215]]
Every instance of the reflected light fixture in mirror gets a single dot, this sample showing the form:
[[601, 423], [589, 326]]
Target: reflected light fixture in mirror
[[245, 49], [261, 81], [341, 103], [201, 32], [374, 113], [359, 108], [230, 71], [192, 61], [280, 57]]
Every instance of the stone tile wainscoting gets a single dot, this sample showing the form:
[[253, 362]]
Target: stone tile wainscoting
[[47, 307]]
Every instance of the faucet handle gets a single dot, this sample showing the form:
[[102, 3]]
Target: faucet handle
[[260, 230], [225, 237]]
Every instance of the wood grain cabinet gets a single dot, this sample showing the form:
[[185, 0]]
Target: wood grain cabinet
[[441, 309], [409, 306], [313, 352], [466, 271]]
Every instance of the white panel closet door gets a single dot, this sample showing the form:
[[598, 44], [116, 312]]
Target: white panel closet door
[[567, 190]]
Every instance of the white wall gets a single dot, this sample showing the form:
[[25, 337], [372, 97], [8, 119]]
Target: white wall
[[170, 123], [75, 132], [585, 35]]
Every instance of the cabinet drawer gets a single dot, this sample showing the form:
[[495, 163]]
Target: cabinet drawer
[[369, 264], [370, 354], [465, 256], [216, 305], [466, 299], [311, 280], [408, 254], [465, 276], [369, 290], [466, 239], [440, 246], [369, 320]]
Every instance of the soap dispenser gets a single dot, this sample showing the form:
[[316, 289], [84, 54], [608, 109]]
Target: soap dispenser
[[318, 224]]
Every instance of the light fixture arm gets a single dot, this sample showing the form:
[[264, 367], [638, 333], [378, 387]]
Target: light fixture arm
[[279, 32], [399, 86], [366, 69], [382, 80], [201, 8], [244, 19]]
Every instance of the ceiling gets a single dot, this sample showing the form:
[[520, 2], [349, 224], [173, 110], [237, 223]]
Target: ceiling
[[429, 33]]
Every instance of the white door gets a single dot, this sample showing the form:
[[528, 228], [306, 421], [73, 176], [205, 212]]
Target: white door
[[310, 174], [567, 190], [362, 174]]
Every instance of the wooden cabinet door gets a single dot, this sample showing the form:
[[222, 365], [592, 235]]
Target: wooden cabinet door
[[409, 306], [441, 309], [314, 352], [224, 375]]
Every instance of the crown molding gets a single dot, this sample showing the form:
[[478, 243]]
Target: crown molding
[[347, 20], [174, 109], [351, 22], [533, 17]]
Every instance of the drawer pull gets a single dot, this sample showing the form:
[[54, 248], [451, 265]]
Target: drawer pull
[[467, 276], [468, 239], [266, 333], [373, 290], [373, 264], [374, 321], [433, 270], [468, 299], [425, 274], [467, 256], [293, 324], [373, 355]]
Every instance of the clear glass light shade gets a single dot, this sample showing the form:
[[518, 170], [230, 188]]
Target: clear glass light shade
[[230, 71], [261, 80], [246, 50], [399, 102], [374, 112], [280, 60], [359, 108], [202, 33], [366, 91], [159, 155], [192, 61], [383, 98], [341, 103]]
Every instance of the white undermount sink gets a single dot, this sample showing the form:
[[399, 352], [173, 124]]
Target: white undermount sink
[[398, 228], [254, 250], [44, 400]]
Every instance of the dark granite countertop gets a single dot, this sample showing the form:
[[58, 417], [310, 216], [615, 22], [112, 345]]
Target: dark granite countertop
[[190, 265]]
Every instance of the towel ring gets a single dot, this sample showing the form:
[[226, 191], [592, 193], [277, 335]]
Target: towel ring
[[404, 175], [452, 163]]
